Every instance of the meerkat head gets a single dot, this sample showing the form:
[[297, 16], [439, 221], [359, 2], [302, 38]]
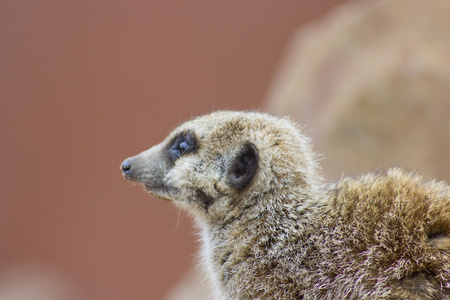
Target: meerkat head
[[219, 163]]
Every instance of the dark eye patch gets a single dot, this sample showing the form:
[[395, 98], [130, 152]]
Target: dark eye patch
[[182, 144]]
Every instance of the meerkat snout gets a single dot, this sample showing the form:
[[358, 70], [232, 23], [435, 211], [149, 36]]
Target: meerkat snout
[[132, 168], [272, 229]]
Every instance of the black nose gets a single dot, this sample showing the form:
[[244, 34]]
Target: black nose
[[126, 168]]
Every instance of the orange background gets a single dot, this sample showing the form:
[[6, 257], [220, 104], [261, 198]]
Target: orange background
[[85, 84]]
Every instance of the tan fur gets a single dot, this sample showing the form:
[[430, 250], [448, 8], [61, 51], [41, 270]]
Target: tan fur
[[288, 235]]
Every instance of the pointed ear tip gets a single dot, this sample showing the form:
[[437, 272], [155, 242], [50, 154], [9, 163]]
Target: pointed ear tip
[[249, 146], [249, 150]]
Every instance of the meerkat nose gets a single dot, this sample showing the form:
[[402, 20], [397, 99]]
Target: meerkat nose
[[126, 168]]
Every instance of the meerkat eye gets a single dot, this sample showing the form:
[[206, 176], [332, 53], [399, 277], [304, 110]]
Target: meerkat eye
[[182, 144]]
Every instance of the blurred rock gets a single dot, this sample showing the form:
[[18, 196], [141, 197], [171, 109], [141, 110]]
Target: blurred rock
[[371, 82], [30, 282], [192, 287]]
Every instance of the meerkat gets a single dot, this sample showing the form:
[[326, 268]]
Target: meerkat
[[271, 228]]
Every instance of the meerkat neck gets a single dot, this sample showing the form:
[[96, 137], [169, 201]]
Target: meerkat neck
[[264, 214], [271, 206], [270, 223]]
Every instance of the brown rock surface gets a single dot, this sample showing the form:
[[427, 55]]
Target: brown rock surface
[[372, 82]]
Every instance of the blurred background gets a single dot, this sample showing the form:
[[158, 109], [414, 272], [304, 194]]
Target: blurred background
[[85, 84]]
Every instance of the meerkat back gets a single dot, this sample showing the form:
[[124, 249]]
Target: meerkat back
[[397, 227]]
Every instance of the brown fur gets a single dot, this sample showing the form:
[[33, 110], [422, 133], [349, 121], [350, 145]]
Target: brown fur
[[286, 234]]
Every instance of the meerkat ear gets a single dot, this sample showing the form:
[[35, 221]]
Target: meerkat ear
[[243, 167]]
